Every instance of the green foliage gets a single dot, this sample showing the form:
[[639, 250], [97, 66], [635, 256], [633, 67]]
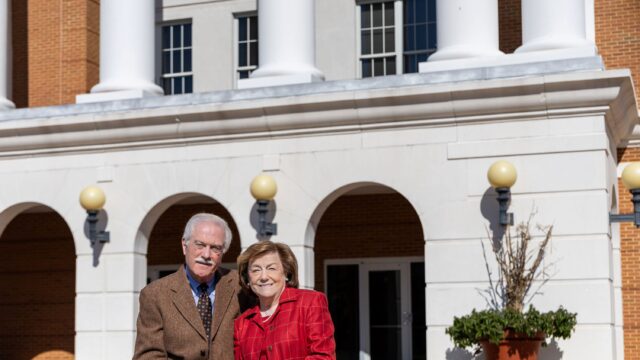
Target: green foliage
[[469, 330]]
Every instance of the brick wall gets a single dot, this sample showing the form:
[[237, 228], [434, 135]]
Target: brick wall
[[37, 288], [364, 226], [510, 22], [55, 50], [618, 34], [630, 254]]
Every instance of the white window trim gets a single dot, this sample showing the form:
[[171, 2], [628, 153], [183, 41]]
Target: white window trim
[[236, 39], [159, 75], [398, 19]]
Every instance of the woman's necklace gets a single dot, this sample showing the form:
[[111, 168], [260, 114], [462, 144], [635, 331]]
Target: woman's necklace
[[266, 315]]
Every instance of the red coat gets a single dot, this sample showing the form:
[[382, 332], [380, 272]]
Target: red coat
[[300, 328]]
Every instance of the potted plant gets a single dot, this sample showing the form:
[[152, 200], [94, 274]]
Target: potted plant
[[507, 331]]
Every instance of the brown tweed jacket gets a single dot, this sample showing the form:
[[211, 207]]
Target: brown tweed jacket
[[169, 326]]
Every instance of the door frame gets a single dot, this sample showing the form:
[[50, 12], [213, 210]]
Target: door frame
[[365, 265]]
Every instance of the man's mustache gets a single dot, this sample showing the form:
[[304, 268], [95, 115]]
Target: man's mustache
[[204, 261]]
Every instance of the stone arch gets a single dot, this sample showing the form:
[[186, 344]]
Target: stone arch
[[369, 229], [37, 283], [161, 230]]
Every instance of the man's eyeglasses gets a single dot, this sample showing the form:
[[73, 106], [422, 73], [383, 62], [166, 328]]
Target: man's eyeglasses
[[216, 249]]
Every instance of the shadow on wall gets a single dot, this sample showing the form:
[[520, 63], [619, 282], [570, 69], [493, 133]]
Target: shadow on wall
[[549, 352]]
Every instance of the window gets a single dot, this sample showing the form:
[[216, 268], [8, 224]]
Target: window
[[177, 73], [396, 35], [247, 45], [419, 32]]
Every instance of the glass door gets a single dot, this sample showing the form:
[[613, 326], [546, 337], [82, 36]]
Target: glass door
[[385, 311]]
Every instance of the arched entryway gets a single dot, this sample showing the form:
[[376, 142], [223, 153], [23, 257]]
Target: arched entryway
[[369, 259], [164, 253], [37, 284]]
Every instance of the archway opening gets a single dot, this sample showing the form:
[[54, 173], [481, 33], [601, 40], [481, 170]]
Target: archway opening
[[37, 287], [164, 255], [369, 259]]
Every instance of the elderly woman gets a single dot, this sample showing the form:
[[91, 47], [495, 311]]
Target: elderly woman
[[288, 323]]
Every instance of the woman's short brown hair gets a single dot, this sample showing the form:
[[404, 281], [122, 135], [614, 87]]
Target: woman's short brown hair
[[289, 262]]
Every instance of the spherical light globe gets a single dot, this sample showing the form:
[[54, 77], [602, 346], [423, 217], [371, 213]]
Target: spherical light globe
[[263, 187], [631, 176], [502, 174], [92, 198]]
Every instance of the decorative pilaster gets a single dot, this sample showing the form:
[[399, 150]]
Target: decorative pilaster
[[5, 55], [553, 25], [127, 48], [287, 44], [466, 29]]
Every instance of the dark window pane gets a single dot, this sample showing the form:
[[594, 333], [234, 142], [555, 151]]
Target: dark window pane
[[386, 344], [423, 57], [365, 15], [377, 14], [166, 85], [377, 41], [378, 67], [177, 62], [177, 85], [166, 62], [366, 42], [421, 11], [253, 54], [408, 12], [391, 65], [431, 10], [388, 14], [166, 37], [342, 294], [177, 36], [421, 37], [242, 29], [243, 74], [253, 28], [409, 64], [366, 68], [433, 38], [242, 54], [187, 35], [188, 84], [389, 40], [419, 326], [384, 314], [409, 38], [187, 60]]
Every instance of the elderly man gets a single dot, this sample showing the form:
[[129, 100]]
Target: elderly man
[[189, 314]]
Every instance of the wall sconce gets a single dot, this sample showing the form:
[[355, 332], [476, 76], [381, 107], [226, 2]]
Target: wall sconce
[[502, 175], [92, 199], [631, 180], [263, 189]]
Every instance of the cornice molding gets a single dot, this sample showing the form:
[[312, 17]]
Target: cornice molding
[[608, 93]]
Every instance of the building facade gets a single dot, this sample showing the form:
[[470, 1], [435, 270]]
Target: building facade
[[377, 119]]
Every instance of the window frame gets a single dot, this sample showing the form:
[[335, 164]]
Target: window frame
[[398, 36], [236, 45], [162, 76]]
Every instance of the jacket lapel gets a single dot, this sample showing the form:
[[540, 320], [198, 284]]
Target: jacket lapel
[[183, 300], [225, 291]]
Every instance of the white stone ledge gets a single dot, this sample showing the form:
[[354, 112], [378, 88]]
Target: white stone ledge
[[403, 101]]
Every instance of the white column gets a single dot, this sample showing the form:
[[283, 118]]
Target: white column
[[466, 29], [286, 44], [553, 24], [5, 55], [127, 45]]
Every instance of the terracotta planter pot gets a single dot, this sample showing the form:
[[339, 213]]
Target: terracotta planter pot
[[514, 346]]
